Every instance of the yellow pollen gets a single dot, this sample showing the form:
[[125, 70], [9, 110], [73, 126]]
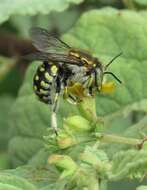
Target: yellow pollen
[[75, 54], [108, 87]]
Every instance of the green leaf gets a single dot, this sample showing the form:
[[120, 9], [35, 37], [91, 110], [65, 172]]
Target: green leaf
[[10, 182], [142, 187], [6, 64], [11, 81], [5, 105], [131, 163], [143, 2], [136, 4], [4, 160], [23, 148], [16, 7], [40, 177], [62, 20]]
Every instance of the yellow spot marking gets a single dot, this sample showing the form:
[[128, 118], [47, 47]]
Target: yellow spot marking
[[94, 65], [42, 69], [35, 87], [84, 59], [43, 91], [87, 61], [44, 84], [75, 54], [37, 77], [54, 69], [48, 77]]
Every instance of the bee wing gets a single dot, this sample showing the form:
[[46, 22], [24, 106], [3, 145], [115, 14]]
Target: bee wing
[[39, 56], [65, 59], [46, 42], [52, 57]]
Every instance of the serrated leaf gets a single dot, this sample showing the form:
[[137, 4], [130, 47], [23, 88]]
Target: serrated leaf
[[39, 177], [16, 7], [131, 164], [22, 149]]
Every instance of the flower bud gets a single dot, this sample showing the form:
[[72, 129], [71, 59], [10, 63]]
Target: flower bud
[[77, 124], [97, 158], [88, 108], [64, 163], [64, 140]]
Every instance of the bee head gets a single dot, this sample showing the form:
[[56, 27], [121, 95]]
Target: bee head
[[99, 71]]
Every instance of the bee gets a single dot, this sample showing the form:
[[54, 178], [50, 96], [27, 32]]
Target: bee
[[65, 71]]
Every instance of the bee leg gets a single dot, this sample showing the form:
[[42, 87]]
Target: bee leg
[[54, 122], [65, 95], [71, 99], [55, 107], [53, 115]]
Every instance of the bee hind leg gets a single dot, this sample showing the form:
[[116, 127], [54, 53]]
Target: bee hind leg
[[54, 121], [55, 107], [54, 115]]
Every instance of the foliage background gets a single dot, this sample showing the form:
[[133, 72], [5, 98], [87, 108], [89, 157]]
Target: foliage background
[[104, 27]]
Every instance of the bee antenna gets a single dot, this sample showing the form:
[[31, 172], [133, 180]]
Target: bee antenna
[[106, 66], [110, 73]]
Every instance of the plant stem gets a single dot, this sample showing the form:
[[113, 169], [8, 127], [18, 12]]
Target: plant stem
[[119, 139]]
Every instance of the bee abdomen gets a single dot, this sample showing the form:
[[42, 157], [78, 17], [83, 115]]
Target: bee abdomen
[[43, 84]]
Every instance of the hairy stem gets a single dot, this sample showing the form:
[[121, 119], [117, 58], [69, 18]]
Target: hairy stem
[[118, 139]]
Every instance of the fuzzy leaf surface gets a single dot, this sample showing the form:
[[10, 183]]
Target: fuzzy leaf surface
[[24, 7]]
